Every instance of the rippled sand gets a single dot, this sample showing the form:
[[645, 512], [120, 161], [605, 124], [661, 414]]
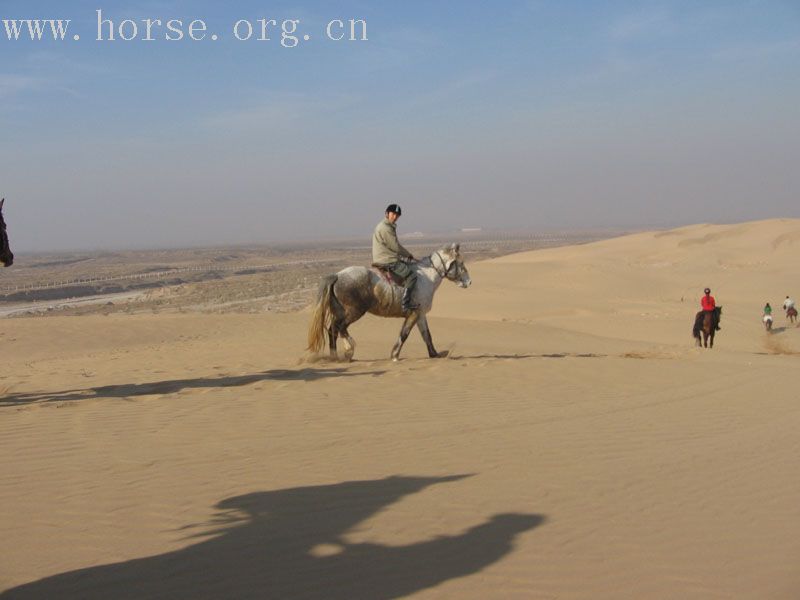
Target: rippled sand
[[574, 444]]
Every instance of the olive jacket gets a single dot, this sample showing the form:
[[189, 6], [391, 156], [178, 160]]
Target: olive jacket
[[386, 249]]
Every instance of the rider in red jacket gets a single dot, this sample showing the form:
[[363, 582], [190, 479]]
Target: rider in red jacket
[[709, 304], [707, 301]]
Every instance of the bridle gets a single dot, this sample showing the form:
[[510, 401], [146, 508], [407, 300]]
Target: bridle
[[445, 272]]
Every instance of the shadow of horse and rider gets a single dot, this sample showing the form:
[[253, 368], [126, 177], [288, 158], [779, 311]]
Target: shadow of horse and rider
[[172, 386], [265, 545]]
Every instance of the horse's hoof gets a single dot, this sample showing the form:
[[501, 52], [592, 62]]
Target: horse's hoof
[[395, 359], [443, 354]]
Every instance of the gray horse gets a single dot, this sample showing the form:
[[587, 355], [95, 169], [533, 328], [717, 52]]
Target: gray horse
[[346, 296]]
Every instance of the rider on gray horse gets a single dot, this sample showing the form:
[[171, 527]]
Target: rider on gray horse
[[389, 254]]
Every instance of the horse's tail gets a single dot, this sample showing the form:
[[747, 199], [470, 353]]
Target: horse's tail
[[322, 313], [698, 325]]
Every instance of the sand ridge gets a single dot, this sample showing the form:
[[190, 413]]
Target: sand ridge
[[574, 444]]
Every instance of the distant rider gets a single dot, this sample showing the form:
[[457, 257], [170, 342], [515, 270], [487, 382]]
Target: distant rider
[[388, 253], [709, 305], [788, 303]]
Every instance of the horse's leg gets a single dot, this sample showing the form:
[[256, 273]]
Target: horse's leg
[[338, 327], [408, 325], [697, 329], [422, 324], [349, 344], [711, 341]]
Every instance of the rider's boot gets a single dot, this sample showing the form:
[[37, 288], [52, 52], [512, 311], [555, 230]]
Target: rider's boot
[[408, 304]]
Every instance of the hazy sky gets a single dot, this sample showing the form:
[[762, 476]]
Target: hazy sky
[[525, 114]]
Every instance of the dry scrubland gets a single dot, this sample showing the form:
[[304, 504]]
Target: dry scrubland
[[244, 279], [575, 444]]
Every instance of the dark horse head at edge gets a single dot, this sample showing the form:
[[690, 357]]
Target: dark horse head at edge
[[6, 256]]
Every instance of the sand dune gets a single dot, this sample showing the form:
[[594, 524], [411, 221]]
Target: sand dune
[[574, 444]]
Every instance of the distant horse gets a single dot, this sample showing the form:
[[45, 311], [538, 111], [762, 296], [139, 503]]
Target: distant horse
[[347, 295], [791, 314], [768, 322], [704, 324], [6, 256]]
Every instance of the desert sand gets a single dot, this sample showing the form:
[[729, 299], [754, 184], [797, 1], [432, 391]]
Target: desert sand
[[574, 444]]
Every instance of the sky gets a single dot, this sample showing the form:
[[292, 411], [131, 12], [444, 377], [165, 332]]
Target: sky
[[523, 114]]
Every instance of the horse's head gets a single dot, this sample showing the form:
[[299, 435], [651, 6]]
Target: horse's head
[[452, 265], [6, 256]]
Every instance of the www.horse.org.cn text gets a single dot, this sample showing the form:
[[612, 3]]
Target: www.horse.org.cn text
[[288, 33]]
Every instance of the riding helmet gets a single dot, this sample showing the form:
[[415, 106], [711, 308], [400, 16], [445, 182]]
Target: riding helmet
[[395, 208], [707, 291]]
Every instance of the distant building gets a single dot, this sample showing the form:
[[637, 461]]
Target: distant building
[[413, 234], [471, 229]]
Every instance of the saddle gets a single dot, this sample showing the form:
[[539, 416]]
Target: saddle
[[386, 274]]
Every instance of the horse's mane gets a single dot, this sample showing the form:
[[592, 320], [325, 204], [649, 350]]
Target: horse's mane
[[444, 252], [425, 261]]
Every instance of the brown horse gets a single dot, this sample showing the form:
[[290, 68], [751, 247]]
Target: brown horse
[[704, 324], [6, 256], [791, 314]]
